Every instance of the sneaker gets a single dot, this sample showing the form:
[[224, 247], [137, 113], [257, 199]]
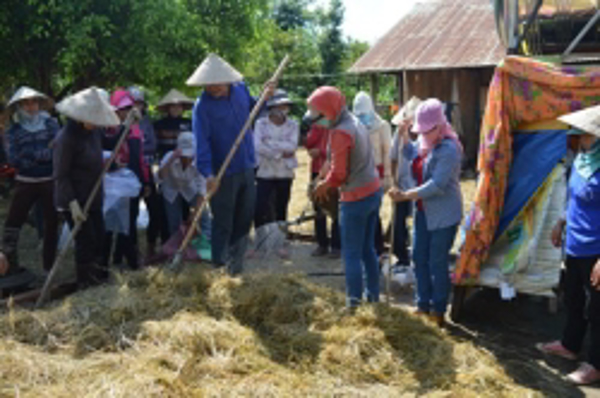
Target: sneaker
[[556, 349], [335, 254], [585, 375], [320, 252]]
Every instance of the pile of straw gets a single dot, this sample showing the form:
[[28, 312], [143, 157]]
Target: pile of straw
[[206, 334]]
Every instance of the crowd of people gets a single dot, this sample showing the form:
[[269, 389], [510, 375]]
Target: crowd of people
[[173, 165]]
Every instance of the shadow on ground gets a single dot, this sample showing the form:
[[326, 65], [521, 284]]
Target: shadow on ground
[[510, 331]]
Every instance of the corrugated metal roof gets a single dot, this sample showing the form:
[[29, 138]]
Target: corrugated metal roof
[[437, 34]]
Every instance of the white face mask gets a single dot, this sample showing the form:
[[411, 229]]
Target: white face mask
[[282, 113]]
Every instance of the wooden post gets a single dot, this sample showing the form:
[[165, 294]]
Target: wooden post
[[400, 87], [374, 87]]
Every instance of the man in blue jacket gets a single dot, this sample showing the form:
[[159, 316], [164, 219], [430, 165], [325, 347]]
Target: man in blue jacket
[[218, 117]]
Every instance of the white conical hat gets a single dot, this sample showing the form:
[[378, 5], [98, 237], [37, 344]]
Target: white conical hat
[[214, 70], [175, 97], [407, 112], [587, 120], [25, 92], [88, 106]]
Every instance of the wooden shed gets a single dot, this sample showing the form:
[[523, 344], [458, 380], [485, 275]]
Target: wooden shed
[[444, 49]]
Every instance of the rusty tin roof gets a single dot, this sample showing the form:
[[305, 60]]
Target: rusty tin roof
[[437, 34]]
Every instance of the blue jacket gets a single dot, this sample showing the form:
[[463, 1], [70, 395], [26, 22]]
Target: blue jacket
[[440, 191], [583, 216], [31, 153], [216, 123]]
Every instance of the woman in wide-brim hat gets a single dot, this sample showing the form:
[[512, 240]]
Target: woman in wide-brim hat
[[582, 246], [78, 163], [173, 123], [402, 178], [276, 139], [30, 151]]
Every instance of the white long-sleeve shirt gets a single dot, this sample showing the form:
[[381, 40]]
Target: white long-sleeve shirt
[[381, 140], [176, 180], [271, 142]]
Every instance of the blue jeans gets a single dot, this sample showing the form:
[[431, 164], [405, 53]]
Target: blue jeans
[[431, 254], [357, 224], [233, 208], [174, 212]]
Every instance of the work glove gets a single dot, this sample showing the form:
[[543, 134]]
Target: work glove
[[77, 213]]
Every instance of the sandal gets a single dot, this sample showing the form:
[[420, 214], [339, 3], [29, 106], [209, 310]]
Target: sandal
[[585, 375], [556, 349]]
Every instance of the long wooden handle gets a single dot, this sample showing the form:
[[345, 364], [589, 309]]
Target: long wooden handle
[[257, 108], [131, 118]]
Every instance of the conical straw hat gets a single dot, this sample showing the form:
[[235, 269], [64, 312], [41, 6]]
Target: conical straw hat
[[587, 120], [407, 112], [25, 92], [175, 97], [214, 70], [88, 106]]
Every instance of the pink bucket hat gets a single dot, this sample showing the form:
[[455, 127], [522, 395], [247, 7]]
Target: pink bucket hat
[[121, 99], [429, 114]]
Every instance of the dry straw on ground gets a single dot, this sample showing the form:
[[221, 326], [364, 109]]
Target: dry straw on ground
[[206, 334]]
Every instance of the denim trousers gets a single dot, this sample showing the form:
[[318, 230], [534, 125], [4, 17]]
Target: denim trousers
[[431, 255], [357, 224], [175, 216]]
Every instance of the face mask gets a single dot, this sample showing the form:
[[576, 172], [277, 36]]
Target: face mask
[[323, 122], [366, 119], [278, 113]]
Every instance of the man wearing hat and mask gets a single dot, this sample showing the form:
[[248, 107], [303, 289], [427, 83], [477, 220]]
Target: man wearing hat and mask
[[30, 152], [402, 177], [78, 165], [218, 117]]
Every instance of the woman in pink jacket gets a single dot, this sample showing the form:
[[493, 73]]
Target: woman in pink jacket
[[131, 156]]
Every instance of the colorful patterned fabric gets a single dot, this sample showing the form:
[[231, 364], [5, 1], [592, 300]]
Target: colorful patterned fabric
[[523, 90]]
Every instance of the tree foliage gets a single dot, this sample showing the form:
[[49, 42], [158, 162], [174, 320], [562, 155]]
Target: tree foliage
[[60, 46]]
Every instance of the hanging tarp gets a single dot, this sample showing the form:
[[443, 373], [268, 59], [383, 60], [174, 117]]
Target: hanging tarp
[[529, 170], [523, 90], [523, 256]]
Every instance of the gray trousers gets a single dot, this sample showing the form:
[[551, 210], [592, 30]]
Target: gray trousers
[[233, 208]]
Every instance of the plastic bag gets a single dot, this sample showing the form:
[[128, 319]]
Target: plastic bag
[[143, 219], [119, 187], [199, 248]]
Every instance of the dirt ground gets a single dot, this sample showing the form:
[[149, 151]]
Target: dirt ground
[[508, 330]]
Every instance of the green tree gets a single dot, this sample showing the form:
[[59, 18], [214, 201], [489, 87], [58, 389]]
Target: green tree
[[64, 45], [332, 44]]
